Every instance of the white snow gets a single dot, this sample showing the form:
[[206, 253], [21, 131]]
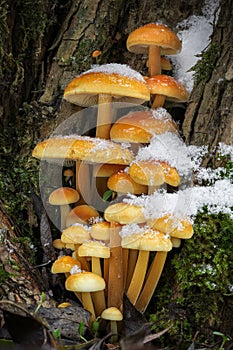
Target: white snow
[[217, 196], [186, 203], [195, 34], [161, 113], [75, 269], [116, 68], [170, 148]]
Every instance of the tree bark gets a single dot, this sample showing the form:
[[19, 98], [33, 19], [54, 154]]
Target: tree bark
[[20, 281], [209, 116]]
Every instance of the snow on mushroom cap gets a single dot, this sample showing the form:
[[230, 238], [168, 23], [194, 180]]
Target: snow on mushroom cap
[[186, 203], [167, 147], [131, 229], [161, 113], [115, 68]]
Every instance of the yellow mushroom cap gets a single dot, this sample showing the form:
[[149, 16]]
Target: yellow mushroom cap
[[81, 214], [121, 182], [124, 213], [58, 244], [118, 80], [95, 249], [155, 241], [168, 86], [75, 234], [64, 264], [140, 126], [153, 34], [147, 172], [68, 172], [179, 228], [112, 314], [85, 282], [64, 196], [144, 238], [85, 148], [101, 230], [65, 304]]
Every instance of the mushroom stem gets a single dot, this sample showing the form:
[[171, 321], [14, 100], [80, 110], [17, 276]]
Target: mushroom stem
[[151, 281], [98, 297], [114, 331], [125, 256], [138, 276], [83, 181], [104, 117], [154, 61], [77, 294], [82, 259], [88, 305], [159, 101], [115, 279], [64, 211], [106, 270], [132, 260]]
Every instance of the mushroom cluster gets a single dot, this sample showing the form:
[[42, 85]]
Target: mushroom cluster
[[119, 249]]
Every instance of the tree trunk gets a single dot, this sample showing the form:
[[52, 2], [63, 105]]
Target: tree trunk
[[20, 281], [209, 116]]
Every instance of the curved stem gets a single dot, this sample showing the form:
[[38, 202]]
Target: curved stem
[[132, 260], [98, 297], [138, 276], [88, 305], [151, 281], [159, 101]]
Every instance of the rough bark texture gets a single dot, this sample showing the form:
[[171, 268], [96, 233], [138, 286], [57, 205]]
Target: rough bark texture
[[20, 281], [209, 116]]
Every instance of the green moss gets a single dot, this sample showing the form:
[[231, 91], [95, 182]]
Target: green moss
[[198, 279], [18, 170], [204, 67]]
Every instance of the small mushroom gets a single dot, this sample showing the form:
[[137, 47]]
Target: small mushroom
[[96, 250], [122, 183], [68, 175], [63, 265], [141, 126], [124, 213], [102, 84], [174, 226], [76, 235], [85, 282], [165, 87], [155, 40], [113, 315], [82, 214], [62, 197], [153, 173]]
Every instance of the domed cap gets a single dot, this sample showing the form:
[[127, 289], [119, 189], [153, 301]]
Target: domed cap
[[85, 282], [64, 264], [153, 34], [118, 80], [63, 196], [112, 314]]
